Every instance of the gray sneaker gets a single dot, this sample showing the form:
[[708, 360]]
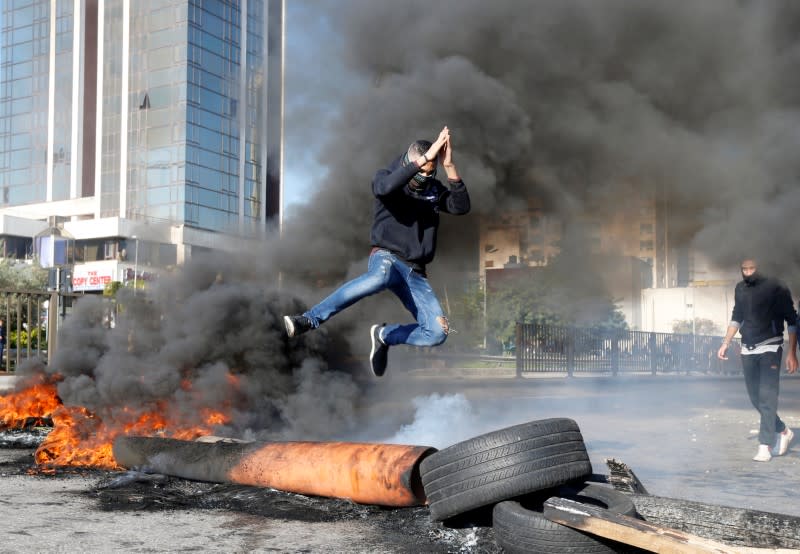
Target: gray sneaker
[[782, 442], [379, 355]]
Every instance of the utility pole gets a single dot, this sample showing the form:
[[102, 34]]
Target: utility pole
[[52, 318], [136, 266]]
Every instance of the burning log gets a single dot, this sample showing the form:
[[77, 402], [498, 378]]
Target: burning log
[[382, 474]]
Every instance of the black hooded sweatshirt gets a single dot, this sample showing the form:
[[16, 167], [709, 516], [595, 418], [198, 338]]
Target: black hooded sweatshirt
[[406, 220], [760, 308]]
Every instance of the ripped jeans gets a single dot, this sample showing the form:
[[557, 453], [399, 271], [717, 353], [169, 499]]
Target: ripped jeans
[[386, 271]]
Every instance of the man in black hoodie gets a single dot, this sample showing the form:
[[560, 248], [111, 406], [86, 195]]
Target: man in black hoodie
[[408, 200], [761, 305]]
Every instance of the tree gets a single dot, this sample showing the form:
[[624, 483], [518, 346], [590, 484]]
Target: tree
[[22, 276], [17, 308], [466, 319], [701, 327]]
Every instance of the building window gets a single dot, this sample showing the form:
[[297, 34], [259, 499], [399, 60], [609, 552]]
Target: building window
[[645, 245], [110, 248]]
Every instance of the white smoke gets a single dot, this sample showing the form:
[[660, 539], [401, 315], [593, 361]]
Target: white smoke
[[439, 421]]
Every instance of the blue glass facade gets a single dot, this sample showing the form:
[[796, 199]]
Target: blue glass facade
[[212, 129], [62, 105], [24, 101], [181, 119], [111, 105], [156, 136], [186, 159]]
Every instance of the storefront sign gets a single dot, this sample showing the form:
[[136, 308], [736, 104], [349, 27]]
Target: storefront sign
[[88, 277]]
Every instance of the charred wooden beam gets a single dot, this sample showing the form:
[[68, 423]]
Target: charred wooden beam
[[736, 526], [628, 530], [382, 474], [622, 478]]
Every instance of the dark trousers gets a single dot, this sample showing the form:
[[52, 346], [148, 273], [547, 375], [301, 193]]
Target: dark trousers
[[762, 374]]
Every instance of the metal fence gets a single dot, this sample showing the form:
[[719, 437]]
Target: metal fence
[[573, 350], [28, 322], [24, 326]]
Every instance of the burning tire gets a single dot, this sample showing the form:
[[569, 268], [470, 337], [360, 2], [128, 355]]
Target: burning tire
[[504, 464], [520, 526]]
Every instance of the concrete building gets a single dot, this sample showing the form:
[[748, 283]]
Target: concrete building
[[654, 282], [532, 237], [138, 131]]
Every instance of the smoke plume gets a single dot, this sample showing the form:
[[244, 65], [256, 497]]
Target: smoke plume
[[574, 102]]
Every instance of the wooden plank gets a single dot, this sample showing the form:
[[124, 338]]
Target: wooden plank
[[599, 521], [735, 526]]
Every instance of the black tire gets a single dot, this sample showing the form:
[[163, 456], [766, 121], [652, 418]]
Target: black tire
[[598, 495], [521, 528], [504, 464]]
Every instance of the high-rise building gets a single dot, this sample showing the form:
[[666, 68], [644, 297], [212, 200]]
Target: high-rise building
[[146, 127]]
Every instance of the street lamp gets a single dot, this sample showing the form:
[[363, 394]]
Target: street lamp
[[135, 265]]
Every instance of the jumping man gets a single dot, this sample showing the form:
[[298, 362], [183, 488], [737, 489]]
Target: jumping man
[[408, 200]]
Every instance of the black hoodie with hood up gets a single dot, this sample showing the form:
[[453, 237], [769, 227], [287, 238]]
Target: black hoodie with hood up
[[406, 219], [760, 308]]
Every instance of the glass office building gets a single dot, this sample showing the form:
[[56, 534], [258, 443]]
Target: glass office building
[[148, 110]]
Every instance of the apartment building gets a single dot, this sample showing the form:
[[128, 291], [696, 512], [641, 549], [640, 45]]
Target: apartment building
[[655, 279]]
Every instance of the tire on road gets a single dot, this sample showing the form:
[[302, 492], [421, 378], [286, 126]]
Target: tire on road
[[520, 527], [601, 496], [504, 464]]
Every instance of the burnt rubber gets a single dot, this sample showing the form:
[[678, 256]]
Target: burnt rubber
[[504, 464], [520, 527]]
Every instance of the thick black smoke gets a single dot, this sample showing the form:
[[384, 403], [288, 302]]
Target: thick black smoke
[[575, 102], [208, 338]]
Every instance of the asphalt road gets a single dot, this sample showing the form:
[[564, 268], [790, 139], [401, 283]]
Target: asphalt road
[[688, 437]]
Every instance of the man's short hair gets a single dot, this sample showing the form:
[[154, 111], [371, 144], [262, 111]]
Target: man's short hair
[[418, 148]]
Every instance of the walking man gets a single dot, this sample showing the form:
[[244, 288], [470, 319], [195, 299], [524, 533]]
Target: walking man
[[761, 305], [408, 200]]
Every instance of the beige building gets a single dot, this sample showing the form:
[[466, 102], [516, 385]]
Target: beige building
[[654, 283], [530, 237]]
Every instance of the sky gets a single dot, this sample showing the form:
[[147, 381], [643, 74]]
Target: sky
[[312, 96]]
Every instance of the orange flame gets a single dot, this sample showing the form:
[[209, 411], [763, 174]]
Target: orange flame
[[83, 438], [80, 438], [28, 407]]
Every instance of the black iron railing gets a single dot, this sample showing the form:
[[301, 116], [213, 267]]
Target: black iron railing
[[574, 350]]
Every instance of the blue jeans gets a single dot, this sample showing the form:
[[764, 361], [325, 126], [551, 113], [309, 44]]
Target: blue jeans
[[386, 271]]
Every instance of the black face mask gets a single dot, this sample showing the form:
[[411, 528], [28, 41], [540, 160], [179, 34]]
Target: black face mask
[[421, 179], [752, 278]]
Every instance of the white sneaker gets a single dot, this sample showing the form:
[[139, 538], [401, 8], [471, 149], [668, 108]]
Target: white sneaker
[[763, 454], [782, 442]]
